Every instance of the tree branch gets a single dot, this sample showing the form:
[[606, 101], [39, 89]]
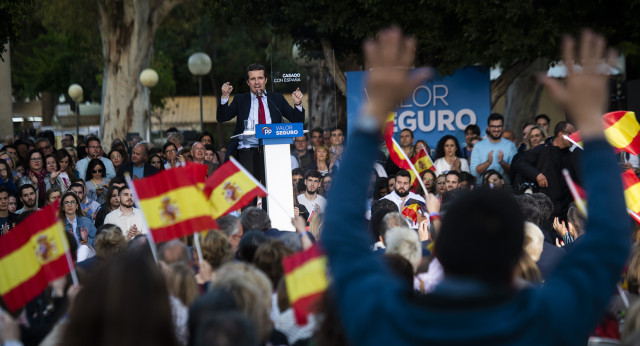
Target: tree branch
[[499, 86]]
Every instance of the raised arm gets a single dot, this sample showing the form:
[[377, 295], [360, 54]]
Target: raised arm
[[359, 276], [579, 290]]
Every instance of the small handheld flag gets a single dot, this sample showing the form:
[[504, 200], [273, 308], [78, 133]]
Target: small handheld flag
[[305, 274], [31, 255]]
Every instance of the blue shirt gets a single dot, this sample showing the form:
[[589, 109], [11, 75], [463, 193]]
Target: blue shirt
[[81, 167], [480, 154]]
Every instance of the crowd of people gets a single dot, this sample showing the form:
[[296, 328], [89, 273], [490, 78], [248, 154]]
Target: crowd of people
[[493, 252]]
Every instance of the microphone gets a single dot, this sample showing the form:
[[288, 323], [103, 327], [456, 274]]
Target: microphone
[[271, 102]]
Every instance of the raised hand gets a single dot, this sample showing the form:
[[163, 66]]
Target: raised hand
[[586, 91], [500, 156], [297, 97], [388, 60], [226, 89], [490, 157]]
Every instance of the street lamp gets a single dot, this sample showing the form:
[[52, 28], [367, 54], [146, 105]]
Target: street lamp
[[75, 92], [149, 78], [200, 65]]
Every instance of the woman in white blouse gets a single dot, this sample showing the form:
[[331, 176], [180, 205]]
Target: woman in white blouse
[[448, 156]]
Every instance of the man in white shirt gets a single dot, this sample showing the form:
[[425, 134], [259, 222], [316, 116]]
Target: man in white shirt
[[403, 197], [310, 198], [129, 219]]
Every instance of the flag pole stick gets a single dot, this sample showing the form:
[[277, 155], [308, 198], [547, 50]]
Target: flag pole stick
[[413, 168], [255, 181], [152, 243], [634, 215], [572, 141], [196, 241], [67, 253], [574, 192]]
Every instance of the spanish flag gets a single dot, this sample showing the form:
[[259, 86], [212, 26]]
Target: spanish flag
[[31, 255], [395, 151], [305, 274], [621, 129], [231, 187], [411, 211], [172, 203], [631, 185], [422, 162]]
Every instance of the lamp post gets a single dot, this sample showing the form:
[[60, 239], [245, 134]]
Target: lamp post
[[200, 65], [76, 93], [149, 78]]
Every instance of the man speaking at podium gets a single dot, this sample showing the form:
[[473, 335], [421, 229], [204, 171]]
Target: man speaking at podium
[[259, 107]]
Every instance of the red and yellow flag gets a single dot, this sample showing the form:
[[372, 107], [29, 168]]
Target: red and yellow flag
[[631, 185], [305, 274], [172, 203], [422, 162], [621, 129], [31, 255], [395, 151], [231, 187], [411, 211]]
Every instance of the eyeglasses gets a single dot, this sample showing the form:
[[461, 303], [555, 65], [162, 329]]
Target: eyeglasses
[[116, 157], [96, 171], [94, 147], [36, 159], [70, 203], [496, 126], [430, 179], [299, 140], [46, 147], [170, 151]]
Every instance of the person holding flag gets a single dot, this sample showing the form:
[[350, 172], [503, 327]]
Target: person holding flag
[[403, 197]]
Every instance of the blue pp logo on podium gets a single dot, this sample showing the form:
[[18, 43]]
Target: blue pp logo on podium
[[287, 130]]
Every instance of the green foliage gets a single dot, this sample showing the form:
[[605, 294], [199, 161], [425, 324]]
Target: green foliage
[[166, 86], [52, 62], [13, 15], [451, 34]]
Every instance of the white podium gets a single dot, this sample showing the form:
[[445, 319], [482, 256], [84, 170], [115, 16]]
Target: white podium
[[277, 140]]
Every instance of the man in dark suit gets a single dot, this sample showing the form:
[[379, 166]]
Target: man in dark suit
[[138, 167], [259, 107]]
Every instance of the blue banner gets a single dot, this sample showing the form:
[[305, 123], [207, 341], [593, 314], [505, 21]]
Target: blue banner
[[285, 130], [441, 106]]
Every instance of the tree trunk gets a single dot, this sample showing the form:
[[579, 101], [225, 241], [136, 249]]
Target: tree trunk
[[325, 101], [48, 105], [523, 97], [499, 86], [127, 30]]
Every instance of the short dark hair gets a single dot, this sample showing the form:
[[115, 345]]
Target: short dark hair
[[24, 187], [406, 129], [76, 185], [91, 139], [297, 171], [492, 232], [543, 116], [3, 189], [255, 67], [403, 173], [68, 135], [452, 172], [317, 129], [560, 127], [475, 129], [312, 173], [495, 116]]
